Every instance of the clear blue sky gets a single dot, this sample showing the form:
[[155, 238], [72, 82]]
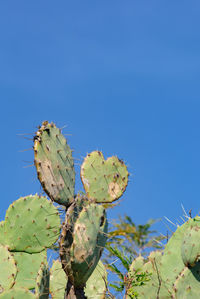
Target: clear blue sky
[[123, 76]]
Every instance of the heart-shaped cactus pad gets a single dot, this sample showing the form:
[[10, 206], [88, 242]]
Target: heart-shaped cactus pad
[[104, 180]]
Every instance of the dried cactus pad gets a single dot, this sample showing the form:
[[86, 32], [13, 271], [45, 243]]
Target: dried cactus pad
[[8, 269], [32, 223], [104, 180], [54, 164]]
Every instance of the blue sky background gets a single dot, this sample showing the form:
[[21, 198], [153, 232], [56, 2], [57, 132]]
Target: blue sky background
[[124, 77]]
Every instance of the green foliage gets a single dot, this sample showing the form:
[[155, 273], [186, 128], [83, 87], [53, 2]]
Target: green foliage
[[134, 239], [125, 282]]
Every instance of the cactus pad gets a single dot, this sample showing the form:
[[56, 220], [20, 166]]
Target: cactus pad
[[8, 269], [96, 284], [191, 246], [54, 164], [58, 280], [104, 181], [17, 293], [82, 241], [137, 264], [42, 282], [28, 266], [32, 224], [172, 263], [187, 285]]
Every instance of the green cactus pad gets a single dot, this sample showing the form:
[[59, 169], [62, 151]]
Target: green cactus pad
[[104, 181], [58, 280], [172, 263], [32, 224], [42, 282], [8, 269], [17, 293], [191, 246], [137, 264], [187, 285], [28, 266], [82, 241], [153, 287], [96, 284], [54, 164]]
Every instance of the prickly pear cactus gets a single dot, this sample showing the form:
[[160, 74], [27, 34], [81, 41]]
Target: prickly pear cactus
[[54, 164], [190, 249], [8, 269], [42, 282], [187, 284], [58, 280], [83, 238], [96, 285], [17, 293], [175, 272], [32, 224], [104, 180], [27, 266]]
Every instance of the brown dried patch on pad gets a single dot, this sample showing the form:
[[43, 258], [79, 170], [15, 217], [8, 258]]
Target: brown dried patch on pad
[[54, 186], [113, 189]]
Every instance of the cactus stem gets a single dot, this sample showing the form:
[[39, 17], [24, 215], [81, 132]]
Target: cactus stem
[[72, 292]]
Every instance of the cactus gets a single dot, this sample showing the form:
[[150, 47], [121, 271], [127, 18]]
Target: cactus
[[28, 225], [103, 181], [42, 282], [54, 164], [8, 269], [27, 266], [82, 240], [174, 273], [58, 280], [32, 224], [190, 249], [17, 293], [96, 285], [187, 284]]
